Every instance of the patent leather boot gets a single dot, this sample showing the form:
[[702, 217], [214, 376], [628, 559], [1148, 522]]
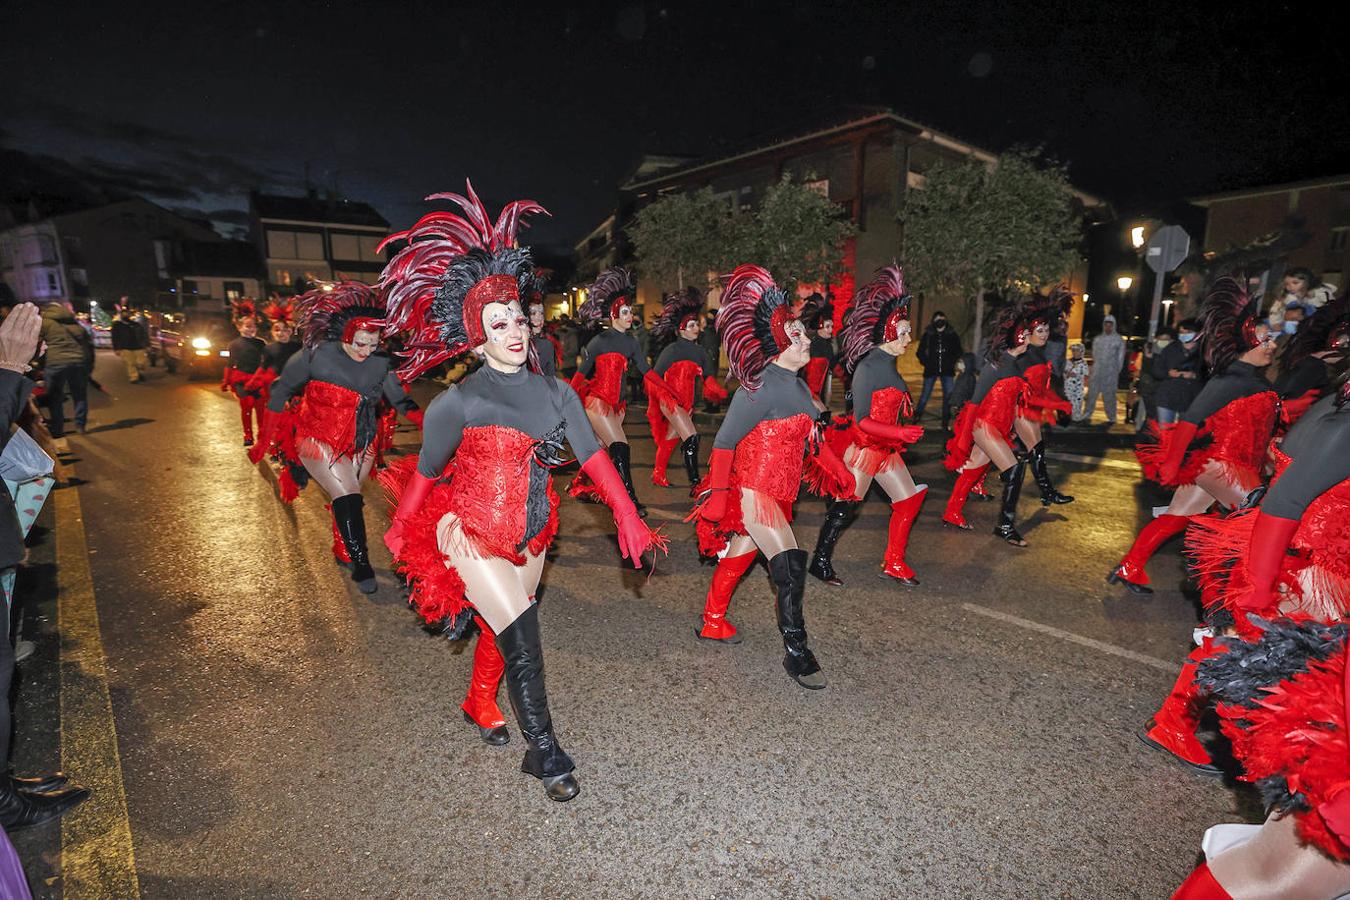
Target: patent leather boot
[[349, 514], [621, 454], [1049, 496], [838, 515], [689, 449], [788, 571], [1007, 514], [545, 758]]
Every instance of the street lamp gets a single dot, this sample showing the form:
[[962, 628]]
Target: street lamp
[[1167, 312], [1137, 236]]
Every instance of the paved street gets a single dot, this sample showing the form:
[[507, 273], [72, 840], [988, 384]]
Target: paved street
[[279, 734]]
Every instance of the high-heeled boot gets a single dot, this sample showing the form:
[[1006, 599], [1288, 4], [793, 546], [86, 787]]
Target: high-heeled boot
[[339, 549], [1172, 728], [953, 516], [724, 580], [1130, 570], [348, 513], [545, 758], [1007, 514], [903, 513], [690, 451], [480, 703], [1201, 885], [788, 571], [1049, 496], [621, 455], [838, 515], [664, 449]]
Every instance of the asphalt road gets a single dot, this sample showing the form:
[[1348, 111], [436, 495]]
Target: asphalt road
[[282, 735]]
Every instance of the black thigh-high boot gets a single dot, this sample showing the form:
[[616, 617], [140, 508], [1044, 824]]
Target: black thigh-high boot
[[690, 450], [621, 455], [838, 515], [349, 514], [1049, 495], [545, 758], [1007, 515], [788, 571]]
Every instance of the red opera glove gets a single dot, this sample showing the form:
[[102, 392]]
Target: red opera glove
[[414, 495], [713, 392], [580, 384], [1180, 439], [895, 434], [1265, 553], [657, 392], [834, 467], [714, 508], [225, 380], [635, 538], [415, 416]]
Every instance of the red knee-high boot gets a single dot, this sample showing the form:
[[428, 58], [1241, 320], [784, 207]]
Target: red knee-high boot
[[1172, 728], [480, 703], [1201, 885], [725, 577], [663, 451], [903, 513], [339, 547], [246, 416], [1130, 572], [957, 502]]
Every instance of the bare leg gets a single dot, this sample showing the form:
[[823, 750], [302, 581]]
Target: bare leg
[[1276, 865], [1222, 487], [772, 537], [995, 447], [897, 482], [1190, 500], [681, 425], [609, 429], [1029, 430]]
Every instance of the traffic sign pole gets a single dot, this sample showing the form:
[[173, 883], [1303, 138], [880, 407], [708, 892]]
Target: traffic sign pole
[[1166, 250]]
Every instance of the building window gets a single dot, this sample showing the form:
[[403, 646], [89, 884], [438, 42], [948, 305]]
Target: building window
[[282, 277], [234, 290], [281, 244], [80, 277], [346, 246], [189, 286], [1338, 239], [368, 251], [308, 246]]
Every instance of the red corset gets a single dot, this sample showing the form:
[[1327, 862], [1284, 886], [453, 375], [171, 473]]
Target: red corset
[[606, 382], [490, 482], [999, 407], [680, 378], [1242, 430], [769, 459], [889, 404], [328, 416], [816, 370]]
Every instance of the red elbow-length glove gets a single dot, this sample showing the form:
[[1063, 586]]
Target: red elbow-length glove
[[1265, 553], [415, 416], [635, 538], [1182, 435], [713, 392], [580, 384], [414, 495], [266, 438], [834, 468], [714, 508], [895, 434], [657, 391], [225, 380]]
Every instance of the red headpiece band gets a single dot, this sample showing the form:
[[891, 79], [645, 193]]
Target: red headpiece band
[[778, 325], [492, 289], [617, 304], [360, 323]]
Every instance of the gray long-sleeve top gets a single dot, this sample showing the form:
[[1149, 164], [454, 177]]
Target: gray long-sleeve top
[[1321, 460], [330, 363], [611, 340], [781, 394], [875, 372], [681, 350], [1239, 380], [530, 403]]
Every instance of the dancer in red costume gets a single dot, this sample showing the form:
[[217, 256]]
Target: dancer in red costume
[[604, 366], [819, 319], [878, 331], [547, 348], [246, 358], [275, 354], [1217, 449], [757, 464], [1041, 404], [339, 381], [1312, 358], [984, 427], [681, 364], [477, 511]]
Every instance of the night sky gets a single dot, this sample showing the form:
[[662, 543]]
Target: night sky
[[194, 103]]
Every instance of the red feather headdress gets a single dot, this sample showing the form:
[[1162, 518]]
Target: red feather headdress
[[878, 310], [678, 308], [752, 322], [611, 289], [1228, 323], [335, 312], [453, 266], [1023, 315], [276, 311], [244, 309]]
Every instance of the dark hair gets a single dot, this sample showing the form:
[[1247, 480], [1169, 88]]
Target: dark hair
[[1189, 325], [1164, 332], [937, 314], [1305, 273]]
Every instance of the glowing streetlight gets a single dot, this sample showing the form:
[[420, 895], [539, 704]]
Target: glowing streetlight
[[1167, 311], [1137, 236], [1124, 282]]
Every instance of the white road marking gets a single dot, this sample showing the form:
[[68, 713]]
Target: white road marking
[[1102, 461], [1112, 649]]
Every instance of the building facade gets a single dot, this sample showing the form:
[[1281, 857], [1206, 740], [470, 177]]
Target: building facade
[[315, 238]]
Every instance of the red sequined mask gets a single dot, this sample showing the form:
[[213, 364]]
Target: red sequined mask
[[892, 330], [492, 289], [778, 326], [360, 323]]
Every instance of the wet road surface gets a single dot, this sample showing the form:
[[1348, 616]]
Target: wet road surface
[[281, 734]]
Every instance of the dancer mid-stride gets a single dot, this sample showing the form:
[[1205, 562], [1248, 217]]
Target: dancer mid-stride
[[681, 364], [1217, 449], [768, 443], [475, 543], [245, 360], [339, 380], [604, 366], [877, 333], [1045, 314]]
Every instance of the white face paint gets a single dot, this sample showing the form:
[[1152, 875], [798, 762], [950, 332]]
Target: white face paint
[[1039, 335], [362, 344], [536, 316], [508, 336], [691, 331], [903, 335], [624, 320], [798, 353]]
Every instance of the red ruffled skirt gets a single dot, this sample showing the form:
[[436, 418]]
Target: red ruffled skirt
[[995, 413], [1236, 437]]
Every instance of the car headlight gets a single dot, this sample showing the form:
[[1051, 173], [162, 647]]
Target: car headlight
[[200, 343]]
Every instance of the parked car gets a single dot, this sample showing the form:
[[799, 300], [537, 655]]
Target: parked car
[[198, 344]]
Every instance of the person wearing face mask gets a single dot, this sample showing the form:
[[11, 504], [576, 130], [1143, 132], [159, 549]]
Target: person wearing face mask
[[878, 332], [1229, 426], [681, 364], [476, 510], [1311, 358], [757, 464], [338, 381], [246, 358], [604, 364], [1176, 367], [939, 351]]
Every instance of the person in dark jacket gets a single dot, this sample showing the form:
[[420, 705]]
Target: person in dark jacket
[[939, 349], [23, 801], [1176, 368], [68, 364], [130, 339]]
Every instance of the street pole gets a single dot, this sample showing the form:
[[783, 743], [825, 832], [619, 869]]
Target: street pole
[[1158, 278]]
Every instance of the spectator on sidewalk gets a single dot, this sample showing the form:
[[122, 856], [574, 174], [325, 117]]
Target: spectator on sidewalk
[[1108, 358], [1075, 381], [1177, 370], [939, 351], [1302, 289], [23, 801], [67, 367], [130, 340]]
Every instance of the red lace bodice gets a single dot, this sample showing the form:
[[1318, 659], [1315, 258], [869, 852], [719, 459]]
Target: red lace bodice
[[606, 382], [1241, 430], [770, 458], [816, 370], [489, 484], [680, 378], [328, 416]]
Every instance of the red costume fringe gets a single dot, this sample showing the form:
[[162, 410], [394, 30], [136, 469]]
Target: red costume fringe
[[327, 417], [1236, 437], [995, 412], [872, 454], [1041, 402], [604, 390]]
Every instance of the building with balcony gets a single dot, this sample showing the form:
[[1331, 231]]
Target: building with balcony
[[316, 238]]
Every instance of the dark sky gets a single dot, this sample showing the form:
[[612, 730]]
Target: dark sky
[[193, 103]]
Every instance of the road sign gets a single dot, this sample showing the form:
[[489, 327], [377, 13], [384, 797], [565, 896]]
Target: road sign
[[1167, 249]]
